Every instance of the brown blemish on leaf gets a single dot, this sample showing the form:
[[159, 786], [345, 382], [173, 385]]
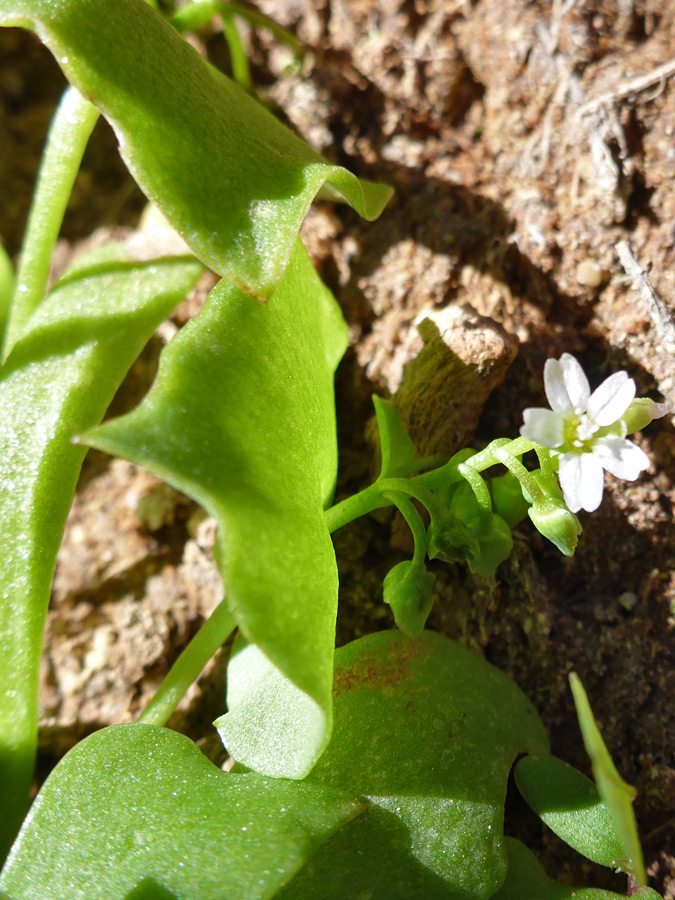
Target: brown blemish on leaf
[[372, 672]]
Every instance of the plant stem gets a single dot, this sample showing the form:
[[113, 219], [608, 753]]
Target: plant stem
[[241, 71], [502, 451], [355, 506], [415, 523], [199, 13], [422, 464], [516, 468], [477, 483], [187, 668], [545, 464], [258, 20], [69, 132]]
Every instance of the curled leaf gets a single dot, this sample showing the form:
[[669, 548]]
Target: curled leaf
[[231, 179]]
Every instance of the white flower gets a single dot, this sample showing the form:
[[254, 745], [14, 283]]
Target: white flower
[[586, 430]]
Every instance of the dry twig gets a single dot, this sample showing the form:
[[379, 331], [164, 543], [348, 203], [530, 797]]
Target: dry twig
[[658, 310], [631, 86]]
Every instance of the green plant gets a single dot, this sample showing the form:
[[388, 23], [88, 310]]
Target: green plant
[[399, 745]]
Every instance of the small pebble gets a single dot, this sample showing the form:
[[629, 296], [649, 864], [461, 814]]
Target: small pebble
[[590, 274], [629, 600]]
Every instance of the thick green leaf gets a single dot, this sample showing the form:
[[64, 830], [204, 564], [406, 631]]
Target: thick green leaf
[[230, 178], [527, 880], [425, 734], [268, 718], [570, 805], [242, 418], [613, 790], [395, 445], [136, 808], [58, 381]]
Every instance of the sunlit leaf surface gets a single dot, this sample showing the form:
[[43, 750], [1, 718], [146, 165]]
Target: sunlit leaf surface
[[136, 811], [57, 382], [425, 734], [229, 176], [570, 805], [242, 418]]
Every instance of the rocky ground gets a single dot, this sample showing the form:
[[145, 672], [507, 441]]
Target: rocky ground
[[524, 140]]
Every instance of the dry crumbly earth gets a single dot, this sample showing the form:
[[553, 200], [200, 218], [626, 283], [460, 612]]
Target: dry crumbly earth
[[524, 140]]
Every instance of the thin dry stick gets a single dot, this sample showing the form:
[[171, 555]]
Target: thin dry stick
[[631, 86], [658, 310]]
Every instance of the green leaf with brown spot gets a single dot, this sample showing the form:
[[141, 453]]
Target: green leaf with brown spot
[[425, 734]]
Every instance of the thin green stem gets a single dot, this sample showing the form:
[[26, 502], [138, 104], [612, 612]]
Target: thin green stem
[[516, 468], [187, 668], [545, 463], [478, 486], [355, 506], [422, 464], [458, 468], [241, 71], [412, 488], [196, 15], [259, 20], [68, 135], [488, 457], [415, 523], [446, 474]]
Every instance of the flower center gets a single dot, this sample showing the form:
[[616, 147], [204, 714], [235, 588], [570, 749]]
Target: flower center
[[578, 431]]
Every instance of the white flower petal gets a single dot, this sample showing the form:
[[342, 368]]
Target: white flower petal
[[581, 480], [543, 427], [611, 400], [576, 383], [554, 386], [620, 457]]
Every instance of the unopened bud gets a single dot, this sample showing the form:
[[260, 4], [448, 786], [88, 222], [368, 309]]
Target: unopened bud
[[554, 520], [407, 589], [451, 540], [641, 412]]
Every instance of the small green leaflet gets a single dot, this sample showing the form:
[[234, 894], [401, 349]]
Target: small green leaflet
[[616, 794], [569, 804]]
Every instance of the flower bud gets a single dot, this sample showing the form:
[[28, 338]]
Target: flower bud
[[554, 520], [471, 532], [407, 589], [641, 412], [494, 543], [451, 540]]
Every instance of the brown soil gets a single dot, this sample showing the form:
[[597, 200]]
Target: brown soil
[[524, 139]]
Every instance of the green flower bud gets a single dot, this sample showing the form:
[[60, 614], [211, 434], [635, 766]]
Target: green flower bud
[[407, 589], [554, 520], [451, 540], [494, 541], [470, 532], [641, 412]]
